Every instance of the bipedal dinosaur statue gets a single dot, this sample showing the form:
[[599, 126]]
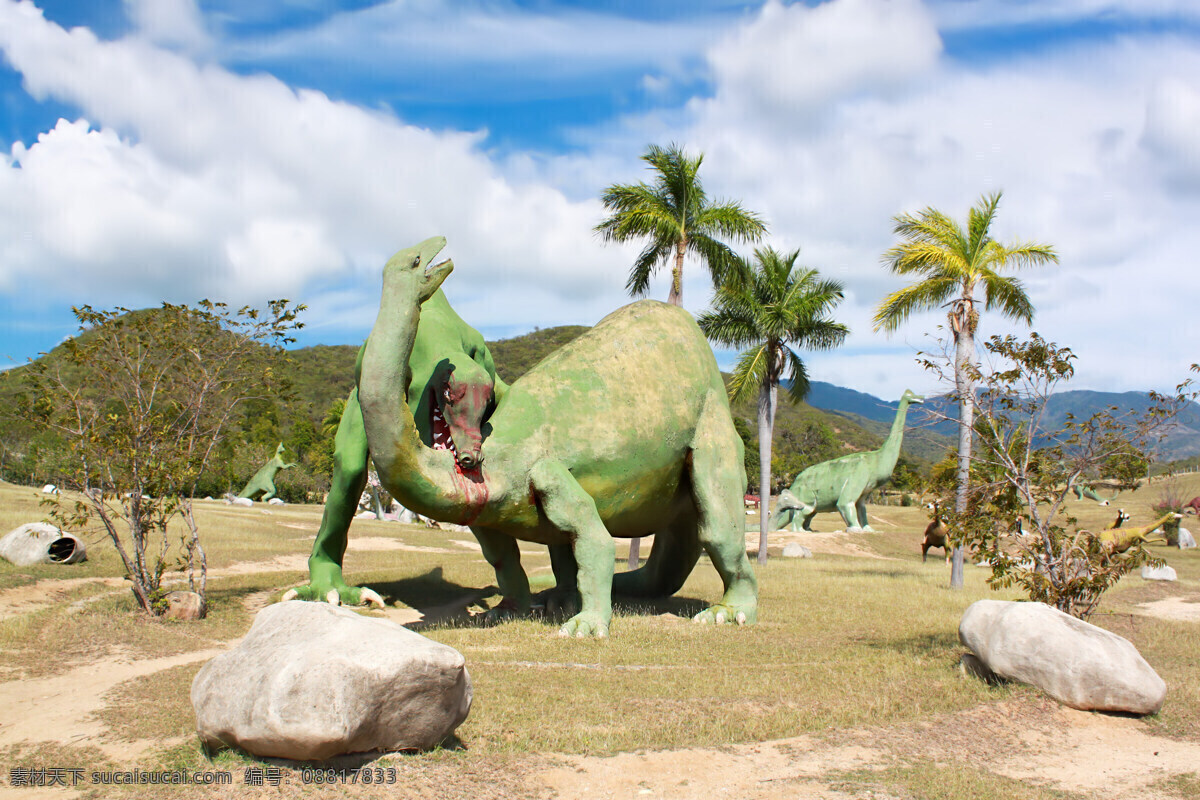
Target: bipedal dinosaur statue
[[842, 484], [263, 481], [624, 432], [452, 390], [1121, 539]]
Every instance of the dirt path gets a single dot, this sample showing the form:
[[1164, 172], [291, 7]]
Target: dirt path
[[1100, 755], [60, 708]]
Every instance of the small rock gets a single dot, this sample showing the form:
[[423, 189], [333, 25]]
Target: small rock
[[1163, 573], [184, 606], [50, 488], [275, 501], [244, 502], [311, 681], [41, 543], [1074, 662], [1186, 540], [796, 550]]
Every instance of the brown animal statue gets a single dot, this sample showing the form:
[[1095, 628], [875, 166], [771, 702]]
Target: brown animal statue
[[1193, 505], [936, 534], [1121, 517]]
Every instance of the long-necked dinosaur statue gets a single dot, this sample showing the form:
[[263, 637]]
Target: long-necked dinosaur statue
[[624, 432], [263, 482], [452, 389], [842, 484]]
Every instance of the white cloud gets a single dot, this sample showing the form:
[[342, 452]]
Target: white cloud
[[197, 181], [796, 60], [171, 23]]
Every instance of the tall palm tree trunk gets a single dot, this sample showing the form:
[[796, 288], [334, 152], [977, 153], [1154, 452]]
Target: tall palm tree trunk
[[767, 399], [675, 298], [964, 348]]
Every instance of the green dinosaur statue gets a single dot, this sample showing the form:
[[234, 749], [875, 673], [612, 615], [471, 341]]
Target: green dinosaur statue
[[1082, 490], [624, 432], [263, 481], [453, 388], [842, 484]]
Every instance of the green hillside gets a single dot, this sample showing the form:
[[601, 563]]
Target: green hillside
[[324, 374]]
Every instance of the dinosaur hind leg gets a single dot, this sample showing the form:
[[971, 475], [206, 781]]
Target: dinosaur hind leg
[[717, 477], [673, 556]]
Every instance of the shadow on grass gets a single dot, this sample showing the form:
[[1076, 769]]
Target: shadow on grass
[[923, 644], [430, 589]]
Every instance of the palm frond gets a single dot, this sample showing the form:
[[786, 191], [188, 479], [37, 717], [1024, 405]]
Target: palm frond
[[1008, 295], [898, 306], [644, 267], [798, 375], [749, 374]]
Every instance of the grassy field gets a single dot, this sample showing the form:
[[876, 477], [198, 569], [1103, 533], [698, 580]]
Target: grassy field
[[864, 634]]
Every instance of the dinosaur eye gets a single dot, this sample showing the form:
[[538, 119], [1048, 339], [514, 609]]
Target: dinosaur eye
[[446, 394]]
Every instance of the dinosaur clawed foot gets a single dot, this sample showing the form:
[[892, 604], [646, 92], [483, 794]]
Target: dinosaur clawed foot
[[584, 625], [335, 596], [723, 614]]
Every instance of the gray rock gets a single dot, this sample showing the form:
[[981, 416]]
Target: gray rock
[[311, 681], [1164, 573], [1186, 540], [1074, 662], [275, 501], [244, 502], [796, 550], [41, 543], [50, 488]]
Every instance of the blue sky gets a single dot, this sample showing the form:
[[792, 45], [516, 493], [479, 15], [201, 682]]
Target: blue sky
[[175, 149]]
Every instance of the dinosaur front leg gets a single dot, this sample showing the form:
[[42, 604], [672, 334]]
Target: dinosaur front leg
[[325, 581], [503, 553], [573, 511]]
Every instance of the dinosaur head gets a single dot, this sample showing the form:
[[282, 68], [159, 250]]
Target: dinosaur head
[[418, 261], [911, 397], [462, 393], [788, 502]]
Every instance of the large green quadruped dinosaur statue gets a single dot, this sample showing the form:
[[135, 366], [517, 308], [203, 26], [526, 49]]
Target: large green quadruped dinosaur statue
[[452, 388], [624, 432], [842, 484], [263, 481]]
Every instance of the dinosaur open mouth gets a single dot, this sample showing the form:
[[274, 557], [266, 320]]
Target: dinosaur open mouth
[[442, 440]]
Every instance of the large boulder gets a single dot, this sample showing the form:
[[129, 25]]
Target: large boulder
[[1074, 662], [41, 543], [1186, 540], [311, 681]]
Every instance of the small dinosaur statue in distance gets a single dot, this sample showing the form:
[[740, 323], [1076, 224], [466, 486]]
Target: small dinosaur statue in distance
[[842, 484], [1083, 491], [624, 432], [937, 533], [263, 481], [453, 387]]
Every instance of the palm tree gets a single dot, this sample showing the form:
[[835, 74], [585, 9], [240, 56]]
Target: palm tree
[[767, 308], [955, 266], [674, 214]]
